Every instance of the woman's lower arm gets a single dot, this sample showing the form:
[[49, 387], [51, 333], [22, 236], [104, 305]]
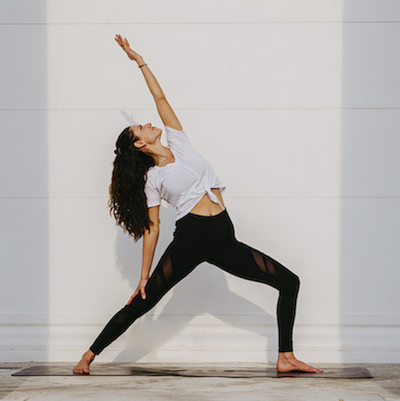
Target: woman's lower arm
[[151, 80], [150, 239]]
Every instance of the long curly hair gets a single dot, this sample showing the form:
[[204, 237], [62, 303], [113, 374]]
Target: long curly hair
[[128, 201]]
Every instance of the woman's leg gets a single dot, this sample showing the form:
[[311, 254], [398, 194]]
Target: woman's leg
[[246, 262], [178, 260]]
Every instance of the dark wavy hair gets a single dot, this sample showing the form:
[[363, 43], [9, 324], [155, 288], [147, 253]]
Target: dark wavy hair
[[128, 201]]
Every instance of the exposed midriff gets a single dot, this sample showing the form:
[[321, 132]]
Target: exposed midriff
[[206, 207]]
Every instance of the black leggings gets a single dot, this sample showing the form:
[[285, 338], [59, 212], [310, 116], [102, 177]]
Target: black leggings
[[209, 239]]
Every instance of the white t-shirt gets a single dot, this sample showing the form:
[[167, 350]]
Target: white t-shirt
[[182, 183]]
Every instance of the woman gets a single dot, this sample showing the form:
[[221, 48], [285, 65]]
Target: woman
[[145, 172]]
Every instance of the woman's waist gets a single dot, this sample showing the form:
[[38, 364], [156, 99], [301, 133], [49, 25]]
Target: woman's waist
[[197, 225]]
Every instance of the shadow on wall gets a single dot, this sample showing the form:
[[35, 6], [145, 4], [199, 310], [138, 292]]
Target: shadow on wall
[[203, 291], [24, 210], [370, 173]]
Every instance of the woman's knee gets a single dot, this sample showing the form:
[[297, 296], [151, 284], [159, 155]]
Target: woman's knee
[[296, 281], [140, 306], [291, 283]]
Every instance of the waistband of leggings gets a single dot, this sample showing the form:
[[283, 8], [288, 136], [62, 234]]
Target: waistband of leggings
[[198, 222]]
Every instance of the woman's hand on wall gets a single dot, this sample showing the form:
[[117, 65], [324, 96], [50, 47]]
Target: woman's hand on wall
[[123, 42], [140, 288]]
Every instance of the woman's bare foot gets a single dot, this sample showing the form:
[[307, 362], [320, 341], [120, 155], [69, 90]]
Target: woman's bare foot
[[288, 363], [83, 365]]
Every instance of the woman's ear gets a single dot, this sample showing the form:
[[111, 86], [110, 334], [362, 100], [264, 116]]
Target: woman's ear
[[139, 144]]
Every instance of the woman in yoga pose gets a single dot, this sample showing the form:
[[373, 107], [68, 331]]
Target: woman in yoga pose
[[145, 172]]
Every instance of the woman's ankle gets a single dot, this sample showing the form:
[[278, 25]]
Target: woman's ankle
[[90, 355], [286, 353]]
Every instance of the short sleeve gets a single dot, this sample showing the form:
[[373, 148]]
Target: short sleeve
[[151, 191], [176, 138]]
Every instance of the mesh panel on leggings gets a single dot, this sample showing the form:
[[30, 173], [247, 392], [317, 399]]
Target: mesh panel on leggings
[[164, 275], [263, 262]]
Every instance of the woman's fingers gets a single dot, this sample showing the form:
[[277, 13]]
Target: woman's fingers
[[119, 39], [133, 296], [143, 293]]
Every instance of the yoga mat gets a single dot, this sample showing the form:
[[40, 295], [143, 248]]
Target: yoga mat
[[112, 370]]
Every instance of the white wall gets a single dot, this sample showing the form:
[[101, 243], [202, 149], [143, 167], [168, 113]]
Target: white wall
[[296, 105]]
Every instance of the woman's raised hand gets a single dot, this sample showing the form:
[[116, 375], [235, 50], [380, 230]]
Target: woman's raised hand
[[123, 42], [140, 287]]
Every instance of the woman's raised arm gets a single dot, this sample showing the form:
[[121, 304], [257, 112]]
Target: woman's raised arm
[[151, 81]]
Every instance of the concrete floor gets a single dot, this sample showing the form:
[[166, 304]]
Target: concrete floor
[[384, 386]]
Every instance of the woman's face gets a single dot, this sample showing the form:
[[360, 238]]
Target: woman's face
[[147, 134]]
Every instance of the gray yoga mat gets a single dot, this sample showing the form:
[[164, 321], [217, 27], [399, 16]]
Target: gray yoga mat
[[110, 370]]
